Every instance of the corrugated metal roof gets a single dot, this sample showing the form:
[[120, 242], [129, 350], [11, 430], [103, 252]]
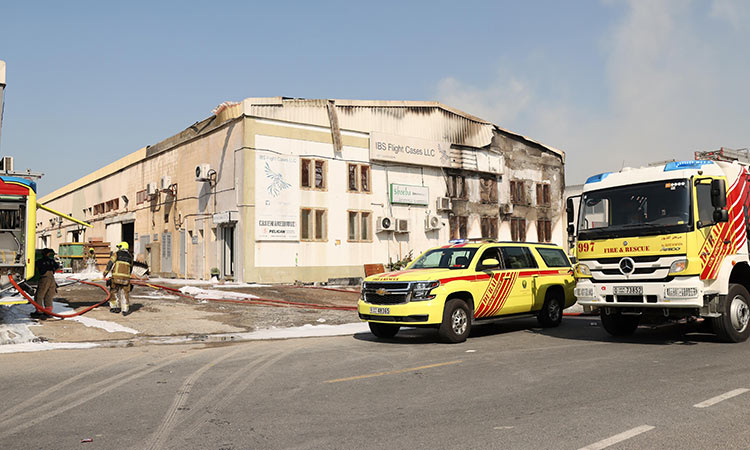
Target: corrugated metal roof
[[420, 119]]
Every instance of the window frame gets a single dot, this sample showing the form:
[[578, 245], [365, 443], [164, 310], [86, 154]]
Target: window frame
[[518, 229], [311, 164], [358, 218], [358, 170], [312, 227]]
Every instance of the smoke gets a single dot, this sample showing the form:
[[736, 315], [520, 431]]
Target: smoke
[[673, 80]]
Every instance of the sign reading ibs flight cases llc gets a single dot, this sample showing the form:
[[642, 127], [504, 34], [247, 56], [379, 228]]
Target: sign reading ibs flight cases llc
[[409, 150]]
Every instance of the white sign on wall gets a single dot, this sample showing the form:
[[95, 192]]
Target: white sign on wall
[[276, 197], [410, 195], [409, 150]]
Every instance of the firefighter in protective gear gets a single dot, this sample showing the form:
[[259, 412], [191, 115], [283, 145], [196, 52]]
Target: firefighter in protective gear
[[47, 288], [121, 264]]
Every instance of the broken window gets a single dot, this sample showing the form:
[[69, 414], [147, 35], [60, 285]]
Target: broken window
[[517, 193], [544, 230], [488, 189], [359, 177], [457, 187], [518, 229], [313, 173], [458, 227], [489, 227], [542, 194]]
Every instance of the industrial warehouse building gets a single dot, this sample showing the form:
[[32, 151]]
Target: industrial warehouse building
[[278, 190]]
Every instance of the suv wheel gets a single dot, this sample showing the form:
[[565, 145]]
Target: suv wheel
[[456, 321], [552, 311], [383, 330]]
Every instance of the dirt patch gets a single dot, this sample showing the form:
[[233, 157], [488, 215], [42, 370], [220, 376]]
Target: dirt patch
[[159, 313]]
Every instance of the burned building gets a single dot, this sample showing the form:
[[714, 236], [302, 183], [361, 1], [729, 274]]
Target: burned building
[[279, 189]]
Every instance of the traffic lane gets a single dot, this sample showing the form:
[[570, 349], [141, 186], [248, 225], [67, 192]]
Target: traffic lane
[[520, 386], [510, 387]]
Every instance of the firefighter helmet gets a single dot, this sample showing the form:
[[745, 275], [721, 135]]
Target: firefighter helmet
[[123, 245]]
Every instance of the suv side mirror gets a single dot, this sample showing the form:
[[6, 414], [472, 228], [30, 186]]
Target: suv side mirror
[[570, 210], [488, 263], [718, 194]]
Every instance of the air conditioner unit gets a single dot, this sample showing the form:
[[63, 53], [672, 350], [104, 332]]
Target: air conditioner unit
[[166, 182], [402, 226], [443, 204], [506, 208], [202, 172], [385, 224], [432, 223], [6, 163], [151, 189]]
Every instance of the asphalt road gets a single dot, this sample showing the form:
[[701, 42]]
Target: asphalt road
[[509, 386]]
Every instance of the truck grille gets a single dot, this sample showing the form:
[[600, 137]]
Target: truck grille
[[386, 299], [386, 293]]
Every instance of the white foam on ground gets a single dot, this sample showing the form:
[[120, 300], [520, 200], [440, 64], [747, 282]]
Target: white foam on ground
[[307, 331], [42, 346], [210, 293], [232, 285], [111, 327], [14, 324], [182, 281]]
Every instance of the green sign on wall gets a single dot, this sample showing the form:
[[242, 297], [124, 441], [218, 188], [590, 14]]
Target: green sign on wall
[[409, 195]]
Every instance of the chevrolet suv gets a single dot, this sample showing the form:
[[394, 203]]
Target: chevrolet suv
[[465, 283]]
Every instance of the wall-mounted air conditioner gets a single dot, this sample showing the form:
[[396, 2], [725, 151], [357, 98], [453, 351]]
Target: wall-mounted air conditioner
[[506, 208], [432, 222], [402, 226], [202, 172], [443, 204], [166, 182], [385, 224], [151, 189]]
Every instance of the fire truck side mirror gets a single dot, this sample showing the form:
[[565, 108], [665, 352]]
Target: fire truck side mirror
[[570, 210], [721, 215], [718, 194]]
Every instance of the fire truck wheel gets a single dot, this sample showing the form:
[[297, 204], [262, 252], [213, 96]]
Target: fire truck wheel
[[733, 324], [551, 313], [456, 321], [617, 324], [383, 330]]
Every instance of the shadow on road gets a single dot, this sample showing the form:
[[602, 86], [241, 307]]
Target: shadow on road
[[577, 328]]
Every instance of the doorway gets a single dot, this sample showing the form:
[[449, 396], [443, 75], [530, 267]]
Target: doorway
[[128, 234], [227, 236]]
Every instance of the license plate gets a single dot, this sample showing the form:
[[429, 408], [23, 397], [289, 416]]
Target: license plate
[[379, 310], [628, 290]]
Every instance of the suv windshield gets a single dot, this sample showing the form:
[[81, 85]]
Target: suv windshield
[[445, 258], [649, 208]]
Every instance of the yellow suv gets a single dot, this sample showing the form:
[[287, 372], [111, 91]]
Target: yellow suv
[[465, 283]]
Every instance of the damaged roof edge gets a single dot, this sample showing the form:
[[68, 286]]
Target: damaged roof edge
[[554, 150]]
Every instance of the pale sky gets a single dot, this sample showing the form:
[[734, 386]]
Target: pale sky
[[610, 82]]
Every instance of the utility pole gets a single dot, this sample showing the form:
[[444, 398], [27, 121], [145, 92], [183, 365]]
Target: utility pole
[[2, 91]]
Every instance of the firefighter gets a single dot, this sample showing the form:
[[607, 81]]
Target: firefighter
[[47, 288], [121, 264]]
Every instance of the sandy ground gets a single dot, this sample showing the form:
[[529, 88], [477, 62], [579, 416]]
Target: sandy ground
[[159, 313]]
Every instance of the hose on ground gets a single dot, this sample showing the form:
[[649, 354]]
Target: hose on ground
[[61, 316], [253, 301]]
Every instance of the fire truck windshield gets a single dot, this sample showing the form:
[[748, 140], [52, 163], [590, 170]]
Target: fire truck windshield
[[657, 207]]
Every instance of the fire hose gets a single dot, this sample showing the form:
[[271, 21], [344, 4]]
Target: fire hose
[[61, 316], [252, 301]]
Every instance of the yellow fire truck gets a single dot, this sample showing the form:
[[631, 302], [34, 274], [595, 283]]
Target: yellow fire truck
[[666, 243]]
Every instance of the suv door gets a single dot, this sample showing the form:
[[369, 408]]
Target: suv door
[[520, 268], [496, 286]]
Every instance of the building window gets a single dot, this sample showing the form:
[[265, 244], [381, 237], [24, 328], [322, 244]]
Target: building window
[[112, 205], [488, 189], [544, 230], [313, 224], [99, 208], [517, 193], [542, 195], [360, 226], [518, 229], [313, 174], [359, 177], [457, 187], [458, 227], [489, 227], [141, 197]]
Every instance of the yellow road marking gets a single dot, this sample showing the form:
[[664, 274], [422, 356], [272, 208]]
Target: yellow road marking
[[393, 372]]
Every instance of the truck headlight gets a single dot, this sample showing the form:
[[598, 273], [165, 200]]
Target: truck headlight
[[682, 292], [583, 270], [584, 292], [422, 290], [678, 266]]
